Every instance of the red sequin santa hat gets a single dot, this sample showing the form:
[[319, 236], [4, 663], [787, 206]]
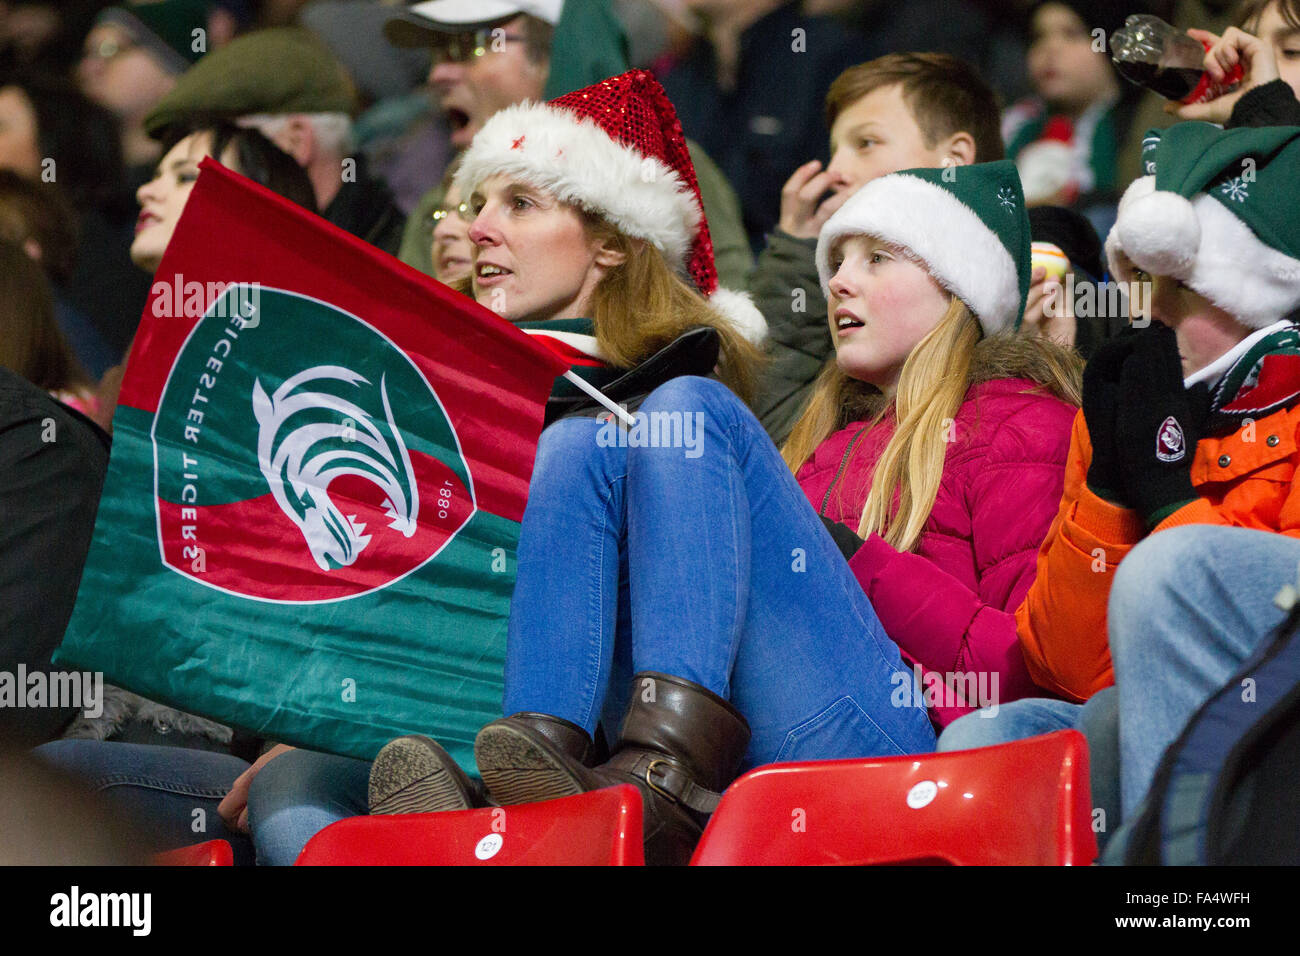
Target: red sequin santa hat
[[615, 149]]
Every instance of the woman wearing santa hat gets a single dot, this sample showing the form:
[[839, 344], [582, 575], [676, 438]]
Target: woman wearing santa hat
[[677, 582], [588, 232]]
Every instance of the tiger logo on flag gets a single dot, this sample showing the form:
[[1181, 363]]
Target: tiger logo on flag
[[299, 455], [303, 456]]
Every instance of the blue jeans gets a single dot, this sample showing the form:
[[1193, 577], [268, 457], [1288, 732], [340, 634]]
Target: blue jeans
[[705, 561], [1097, 720], [1187, 607], [298, 794], [170, 794], [160, 789]]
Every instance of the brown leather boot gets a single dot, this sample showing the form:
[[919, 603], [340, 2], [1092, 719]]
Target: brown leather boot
[[681, 746]]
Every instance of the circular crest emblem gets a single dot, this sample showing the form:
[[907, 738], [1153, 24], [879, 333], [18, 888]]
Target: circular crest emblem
[[301, 456]]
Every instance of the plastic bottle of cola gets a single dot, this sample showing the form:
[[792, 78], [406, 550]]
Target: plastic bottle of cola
[[1149, 52]]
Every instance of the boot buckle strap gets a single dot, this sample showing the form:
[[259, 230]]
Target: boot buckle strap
[[678, 787]]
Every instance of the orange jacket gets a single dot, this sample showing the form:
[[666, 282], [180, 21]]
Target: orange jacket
[[1246, 479]]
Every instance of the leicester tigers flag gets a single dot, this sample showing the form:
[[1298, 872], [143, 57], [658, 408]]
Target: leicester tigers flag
[[320, 462]]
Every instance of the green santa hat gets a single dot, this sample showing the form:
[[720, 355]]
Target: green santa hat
[[1216, 212], [968, 224]]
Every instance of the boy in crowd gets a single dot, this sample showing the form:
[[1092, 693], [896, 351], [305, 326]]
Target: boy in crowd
[[1183, 461], [900, 111]]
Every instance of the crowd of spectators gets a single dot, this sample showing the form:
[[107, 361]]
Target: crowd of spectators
[[930, 393]]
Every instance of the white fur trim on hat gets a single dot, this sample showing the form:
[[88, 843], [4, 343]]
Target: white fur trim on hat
[[580, 163], [963, 254], [1204, 245], [1160, 228], [739, 309]]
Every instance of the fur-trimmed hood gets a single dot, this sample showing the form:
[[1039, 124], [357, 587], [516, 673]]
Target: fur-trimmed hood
[[1012, 355]]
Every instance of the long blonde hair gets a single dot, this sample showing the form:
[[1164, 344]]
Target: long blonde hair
[[932, 386], [642, 305]]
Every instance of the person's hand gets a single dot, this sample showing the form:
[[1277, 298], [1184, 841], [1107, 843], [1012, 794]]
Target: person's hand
[[1101, 399], [803, 211], [234, 806], [1258, 64], [1157, 426], [1045, 310]]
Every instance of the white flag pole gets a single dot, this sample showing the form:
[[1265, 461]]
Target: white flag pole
[[601, 397]]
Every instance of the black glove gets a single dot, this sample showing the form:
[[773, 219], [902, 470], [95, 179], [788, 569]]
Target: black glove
[[1101, 400], [843, 536], [1157, 427]]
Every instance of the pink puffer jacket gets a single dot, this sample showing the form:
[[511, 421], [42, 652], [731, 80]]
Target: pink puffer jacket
[[950, 606]]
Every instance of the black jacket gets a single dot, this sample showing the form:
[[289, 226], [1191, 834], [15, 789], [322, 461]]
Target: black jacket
[[771, 123], [694, 352], [52, 465], [365, 208]]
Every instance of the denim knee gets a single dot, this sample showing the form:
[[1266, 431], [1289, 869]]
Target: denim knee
[[1159, 567], [565, 441], [847, 729], [1014, 721], [298, 794], [969, 732], [294, 777], [694, 393]]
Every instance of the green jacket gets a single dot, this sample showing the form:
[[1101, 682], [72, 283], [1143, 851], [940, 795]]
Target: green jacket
[[721, 207], [799, 340]]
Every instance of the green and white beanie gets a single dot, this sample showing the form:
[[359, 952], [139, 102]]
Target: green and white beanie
[[1216, 211], [968, 224]]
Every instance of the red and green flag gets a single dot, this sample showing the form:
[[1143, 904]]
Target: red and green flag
[[320, 462]]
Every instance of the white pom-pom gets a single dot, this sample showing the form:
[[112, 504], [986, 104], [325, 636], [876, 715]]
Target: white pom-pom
[[740, 311], [1160, 233]]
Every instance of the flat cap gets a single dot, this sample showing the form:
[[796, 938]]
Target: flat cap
[[276, 70]]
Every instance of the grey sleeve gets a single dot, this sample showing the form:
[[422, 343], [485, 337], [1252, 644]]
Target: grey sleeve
[[787, 290]]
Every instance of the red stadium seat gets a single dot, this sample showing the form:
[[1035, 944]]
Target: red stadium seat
[[212, 853], [601, 828], [1021, 803]]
